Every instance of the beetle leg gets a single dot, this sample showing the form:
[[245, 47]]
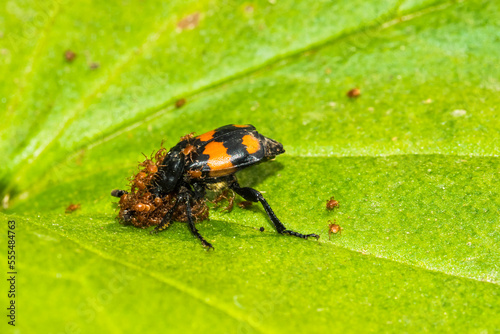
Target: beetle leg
[[166, 220], [253, 195], [118, 193], [199, 190], [186, 196]]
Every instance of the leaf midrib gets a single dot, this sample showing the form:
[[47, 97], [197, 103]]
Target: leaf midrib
[[324, 243]]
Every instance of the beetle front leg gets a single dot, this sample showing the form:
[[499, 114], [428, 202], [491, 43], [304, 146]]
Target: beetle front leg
[[186, 196], [253, 195], [118, 193]]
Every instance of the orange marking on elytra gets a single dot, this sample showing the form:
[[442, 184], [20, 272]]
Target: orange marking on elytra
[[218, 157], [240, 126], [251, 143], [206, 136]]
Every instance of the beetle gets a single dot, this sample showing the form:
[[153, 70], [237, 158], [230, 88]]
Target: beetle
[[209, 162]]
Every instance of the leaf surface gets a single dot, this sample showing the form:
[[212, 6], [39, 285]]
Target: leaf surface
[[413, 162]]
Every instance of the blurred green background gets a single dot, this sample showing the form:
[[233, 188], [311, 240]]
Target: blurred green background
[[413, 162]]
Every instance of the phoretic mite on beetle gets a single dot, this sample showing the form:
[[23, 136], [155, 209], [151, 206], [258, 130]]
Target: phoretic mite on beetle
[[172, 185]]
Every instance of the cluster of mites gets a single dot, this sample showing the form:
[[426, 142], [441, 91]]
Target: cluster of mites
[[141, 209]]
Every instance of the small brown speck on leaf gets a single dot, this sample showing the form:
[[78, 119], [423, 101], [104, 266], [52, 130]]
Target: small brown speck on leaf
[[189, 22], [354, 93], [94, 66], [69, 56], [261, 229], [72, 207], [80, 156], [179, 103]]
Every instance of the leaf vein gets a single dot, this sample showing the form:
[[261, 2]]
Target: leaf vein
[[194, 293], [278, 61]]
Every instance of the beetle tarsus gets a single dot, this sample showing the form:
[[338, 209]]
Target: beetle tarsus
[[207, 245], [253, 195], [300, 235]]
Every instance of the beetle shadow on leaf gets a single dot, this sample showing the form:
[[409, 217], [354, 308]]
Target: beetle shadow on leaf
[[234, 230], [255, 175]]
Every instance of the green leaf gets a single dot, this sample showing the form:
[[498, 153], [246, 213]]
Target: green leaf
[[413, 163]]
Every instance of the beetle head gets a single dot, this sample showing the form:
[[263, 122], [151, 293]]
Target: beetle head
[[169, 174]]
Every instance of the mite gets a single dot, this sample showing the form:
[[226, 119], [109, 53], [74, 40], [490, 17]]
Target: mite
[[72, 207], [334, 228], [332, 203], [354, 93], [209, 162]]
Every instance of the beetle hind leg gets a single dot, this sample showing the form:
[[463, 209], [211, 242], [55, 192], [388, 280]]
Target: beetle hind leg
[[253, 195]]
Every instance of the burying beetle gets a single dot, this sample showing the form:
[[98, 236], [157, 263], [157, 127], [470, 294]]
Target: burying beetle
[[209, 161]]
